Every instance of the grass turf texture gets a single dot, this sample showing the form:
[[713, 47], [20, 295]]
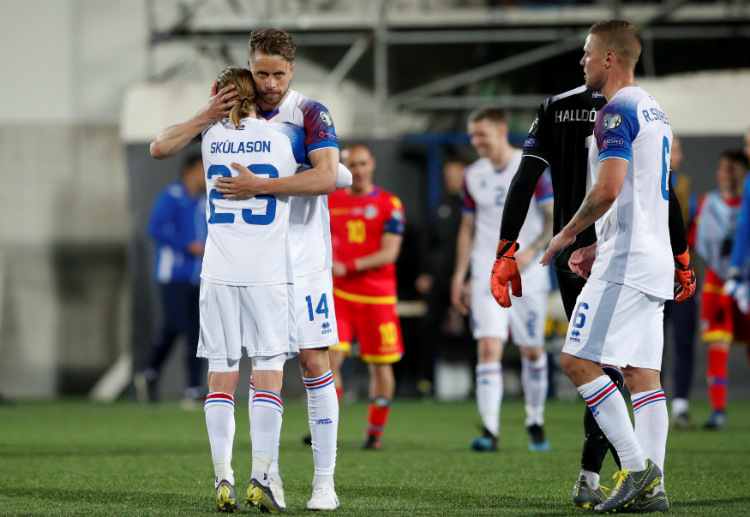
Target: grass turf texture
[[75, 457]]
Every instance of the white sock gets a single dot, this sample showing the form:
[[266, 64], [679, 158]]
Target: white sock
[[651, 424], [265, 430], [251, 392], [592, 478], [611, 413], [219, 409], [490, 394], [325, 480], [323, 418], [535, 383], [680, 406]]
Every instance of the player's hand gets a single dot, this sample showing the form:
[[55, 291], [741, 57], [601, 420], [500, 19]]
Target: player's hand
[[684, 276], [739, 289], [458, 296], [196, 248], [220, 103], [243, 186], [558, 242], [582, 260], [504, 272]]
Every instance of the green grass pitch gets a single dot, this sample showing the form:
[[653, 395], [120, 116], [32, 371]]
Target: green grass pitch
[[78, 458]]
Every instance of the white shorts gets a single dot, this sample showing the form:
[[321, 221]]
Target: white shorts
[[616, 324], [316, 316], [259, 319], [526, 317]]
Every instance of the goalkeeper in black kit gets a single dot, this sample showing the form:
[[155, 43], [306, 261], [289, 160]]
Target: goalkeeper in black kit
[[559, 139]]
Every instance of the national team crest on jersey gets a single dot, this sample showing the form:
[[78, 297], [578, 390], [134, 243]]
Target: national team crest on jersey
[[597, 95], [326, 118], [371, 212], [611, 121]]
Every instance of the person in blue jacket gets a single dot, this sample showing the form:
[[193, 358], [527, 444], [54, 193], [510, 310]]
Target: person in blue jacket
[[178, 227]]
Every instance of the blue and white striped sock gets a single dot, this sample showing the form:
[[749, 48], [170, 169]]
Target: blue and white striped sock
[[323, 418], [611, 413], [219, 409], [652, 424], [265, 429]]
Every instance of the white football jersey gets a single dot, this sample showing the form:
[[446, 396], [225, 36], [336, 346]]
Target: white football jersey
[[247, 239], [633, 236], [310, 128], [485, 189]]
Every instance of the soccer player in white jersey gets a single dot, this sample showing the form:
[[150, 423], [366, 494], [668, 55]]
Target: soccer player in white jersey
[[246, 296], [272, 65], [486, 182], [175, 138], [620, 310]]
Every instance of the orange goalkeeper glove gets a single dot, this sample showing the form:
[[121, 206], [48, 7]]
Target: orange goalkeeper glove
[[504, 272], [684, 276]]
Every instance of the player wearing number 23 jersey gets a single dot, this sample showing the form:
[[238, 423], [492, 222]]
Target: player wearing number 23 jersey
[[247, 247], [366, 300]]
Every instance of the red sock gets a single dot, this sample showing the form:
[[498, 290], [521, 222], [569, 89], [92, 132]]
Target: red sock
[[339, 392], [716, 375], [377, 416]]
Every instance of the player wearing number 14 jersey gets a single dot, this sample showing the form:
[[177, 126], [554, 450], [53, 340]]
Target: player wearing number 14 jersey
[[367, 226]]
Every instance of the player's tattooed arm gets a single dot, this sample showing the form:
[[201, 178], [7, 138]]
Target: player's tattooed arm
[[596, 203]]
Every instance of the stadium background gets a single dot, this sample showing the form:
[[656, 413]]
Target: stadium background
[[86, 84]]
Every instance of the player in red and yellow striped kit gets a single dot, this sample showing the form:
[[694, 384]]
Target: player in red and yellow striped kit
[[367, 226]]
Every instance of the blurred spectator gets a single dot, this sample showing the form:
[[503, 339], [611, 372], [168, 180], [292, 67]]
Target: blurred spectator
[[682, 315], [442, 324], [738, 277], [721, 320], [178, 227]]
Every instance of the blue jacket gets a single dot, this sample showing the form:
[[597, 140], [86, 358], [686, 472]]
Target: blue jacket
[[741, 247], [177, 219]]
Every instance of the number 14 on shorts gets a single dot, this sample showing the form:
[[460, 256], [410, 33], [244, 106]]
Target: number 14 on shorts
[[322, 307]]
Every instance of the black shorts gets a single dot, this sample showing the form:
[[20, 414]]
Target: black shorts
[[570, 287]]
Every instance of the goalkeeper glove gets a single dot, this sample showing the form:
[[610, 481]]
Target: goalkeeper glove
[[684, 276], [505, 271]]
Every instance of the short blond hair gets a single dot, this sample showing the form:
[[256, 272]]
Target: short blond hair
[[243, 83], [620, 37], [272, 42]]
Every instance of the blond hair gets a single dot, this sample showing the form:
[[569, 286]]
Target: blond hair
[[620, 37], [242, 80]]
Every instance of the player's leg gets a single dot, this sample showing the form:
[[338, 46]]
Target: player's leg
[[269, 334], [194, 366], [323, 419], [381, 345], [146, 381], [683, 317], [587, 491], [219, 409], [489, 324], [716, 322], [265, 429], [219, 342], [528, 316], [608, 315], [337, 353], [650, 413], [489, 391]]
